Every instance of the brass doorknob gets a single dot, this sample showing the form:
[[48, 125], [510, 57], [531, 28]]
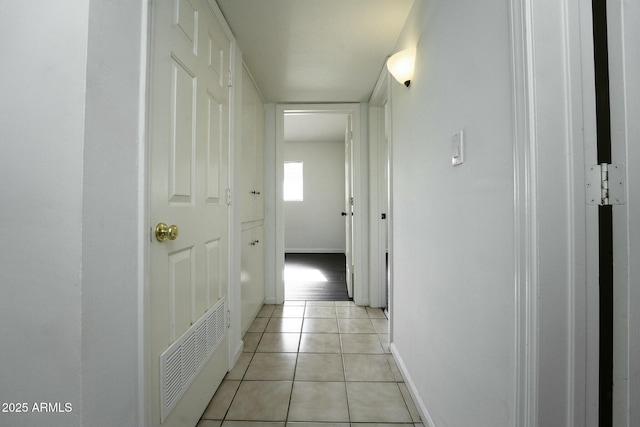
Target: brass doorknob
[[166, 232]]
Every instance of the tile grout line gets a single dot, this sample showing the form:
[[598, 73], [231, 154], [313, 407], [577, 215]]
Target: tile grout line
[[242, 379], [344, 369], [340, 335], [295, 367]]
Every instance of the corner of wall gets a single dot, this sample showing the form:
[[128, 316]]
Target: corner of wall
[[270, 203]]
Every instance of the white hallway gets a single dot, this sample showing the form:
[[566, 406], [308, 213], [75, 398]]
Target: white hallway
[[494, 305]]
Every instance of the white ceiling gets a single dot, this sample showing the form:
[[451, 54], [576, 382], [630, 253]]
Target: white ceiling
[[309, 51]]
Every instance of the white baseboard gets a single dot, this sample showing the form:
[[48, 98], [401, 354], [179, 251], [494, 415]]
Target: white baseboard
[[238, 352], [270, 301], [422, 408]]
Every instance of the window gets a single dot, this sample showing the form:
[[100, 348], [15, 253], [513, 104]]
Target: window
[[293, 182]]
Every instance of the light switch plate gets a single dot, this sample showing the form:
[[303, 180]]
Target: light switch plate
[[457, 149]]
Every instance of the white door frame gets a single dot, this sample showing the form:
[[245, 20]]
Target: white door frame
[[348, 207], [377, 195], [274, 215], [537, 200], [623, 21]]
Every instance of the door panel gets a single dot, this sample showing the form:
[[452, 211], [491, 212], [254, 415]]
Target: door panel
[[188, 169], [252, 277], [181, 283], [181, 153], [185, 19], [248, 149], [214, 279], [214, 155], [259, 158], [252, 151]]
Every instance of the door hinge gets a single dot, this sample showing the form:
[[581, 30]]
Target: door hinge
[[605, 184], [230, 81], [228, 318], [228, 197]]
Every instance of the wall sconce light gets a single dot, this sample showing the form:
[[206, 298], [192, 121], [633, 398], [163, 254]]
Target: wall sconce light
[[400, 65]]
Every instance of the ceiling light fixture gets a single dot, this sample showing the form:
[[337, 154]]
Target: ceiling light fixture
[[400, 65]]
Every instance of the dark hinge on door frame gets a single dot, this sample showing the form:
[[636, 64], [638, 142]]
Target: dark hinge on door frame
[[605, 184]]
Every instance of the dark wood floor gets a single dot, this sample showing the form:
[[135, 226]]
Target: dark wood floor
[[315, 277]]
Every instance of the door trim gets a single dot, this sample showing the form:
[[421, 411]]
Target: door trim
[[530, 28], [624, 84], [525, 244], [274, 284], [377, 229]]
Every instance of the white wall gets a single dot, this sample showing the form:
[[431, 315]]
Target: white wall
[[69, 219], [453, 301], [114, 214], [42, 128], [488, 266], [315, 224]]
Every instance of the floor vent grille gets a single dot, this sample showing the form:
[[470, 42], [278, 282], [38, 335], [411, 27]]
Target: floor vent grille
[[183, 360]]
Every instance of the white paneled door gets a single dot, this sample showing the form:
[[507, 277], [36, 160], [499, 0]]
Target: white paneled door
[[188, 174]]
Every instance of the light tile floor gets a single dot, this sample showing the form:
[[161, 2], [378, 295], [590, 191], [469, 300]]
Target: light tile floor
[[314, 364]]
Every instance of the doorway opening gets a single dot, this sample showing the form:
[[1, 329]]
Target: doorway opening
[[324, 141], [316, 186]]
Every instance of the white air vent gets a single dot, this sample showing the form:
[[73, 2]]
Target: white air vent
[[183, 360]]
